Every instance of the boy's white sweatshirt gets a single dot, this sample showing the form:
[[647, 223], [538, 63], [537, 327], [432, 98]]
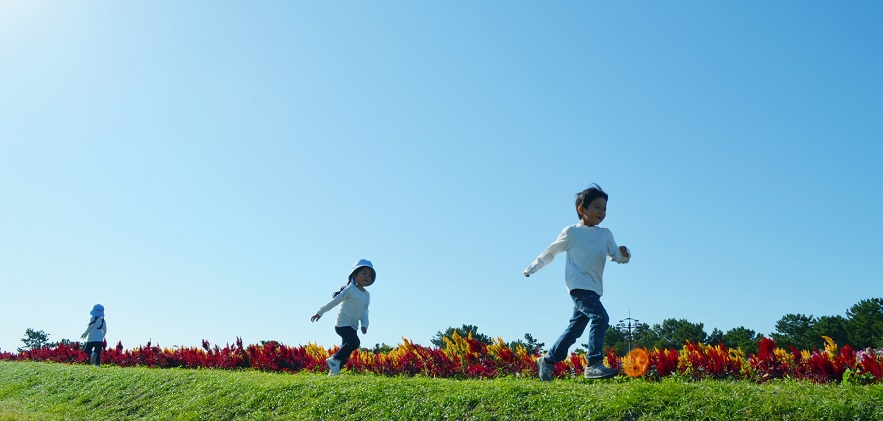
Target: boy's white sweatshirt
[[588, 249]]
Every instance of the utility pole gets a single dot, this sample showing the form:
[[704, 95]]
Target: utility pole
[[627, 324]]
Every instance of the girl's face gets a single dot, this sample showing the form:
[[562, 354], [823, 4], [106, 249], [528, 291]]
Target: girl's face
[[364, 276], [594, 213]]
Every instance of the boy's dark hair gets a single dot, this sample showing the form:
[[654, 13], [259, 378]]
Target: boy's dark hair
[[586, 196]]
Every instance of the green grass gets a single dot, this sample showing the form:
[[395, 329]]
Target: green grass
[[47, 391]]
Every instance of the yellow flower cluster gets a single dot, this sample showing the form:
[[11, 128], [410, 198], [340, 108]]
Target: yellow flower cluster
[[497, 346], [831, 347], [457, 346], [316, 351], [398, 353]]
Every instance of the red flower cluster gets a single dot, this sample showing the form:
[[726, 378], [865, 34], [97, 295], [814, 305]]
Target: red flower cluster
[[821, 366], [461, 358], [468, 358]]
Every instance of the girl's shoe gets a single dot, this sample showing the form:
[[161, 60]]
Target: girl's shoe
[[334, 365]]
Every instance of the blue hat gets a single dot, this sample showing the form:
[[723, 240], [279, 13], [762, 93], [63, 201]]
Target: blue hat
[[361, 264], [97, 311]]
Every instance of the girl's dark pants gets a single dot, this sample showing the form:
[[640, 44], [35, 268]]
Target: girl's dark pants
[[95, 347], [350, 343]]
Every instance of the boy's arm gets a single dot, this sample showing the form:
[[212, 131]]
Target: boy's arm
[[620, 254], [548, 254]]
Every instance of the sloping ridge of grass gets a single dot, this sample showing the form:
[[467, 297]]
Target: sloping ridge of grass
[[47, 391]]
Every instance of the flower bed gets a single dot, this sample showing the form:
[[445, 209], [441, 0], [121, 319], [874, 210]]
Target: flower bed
[[466, 358]]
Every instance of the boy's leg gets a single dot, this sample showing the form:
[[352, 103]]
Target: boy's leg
[[589, 304], [350, 343], [578, 322]]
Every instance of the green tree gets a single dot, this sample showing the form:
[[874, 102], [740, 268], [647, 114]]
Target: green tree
[[795, 330], [834, 327], [35, 339], [381, 348], [674, 334], [439, 341], [741, 337], [617, 337], [865, 324], [529, 343], [614, 338], [715, 337]]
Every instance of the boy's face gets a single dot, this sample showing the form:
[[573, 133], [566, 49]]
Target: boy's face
[[594, 213], [363, 276]]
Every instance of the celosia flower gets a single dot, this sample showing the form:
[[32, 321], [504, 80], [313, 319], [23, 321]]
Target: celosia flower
[[636, 363], [830, 346]]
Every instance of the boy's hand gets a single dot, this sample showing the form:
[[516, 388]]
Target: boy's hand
[[315, 317], [624, 251], [364, 330]]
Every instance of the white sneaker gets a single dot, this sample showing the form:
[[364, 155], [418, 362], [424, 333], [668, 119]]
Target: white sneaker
[[599, 371], [334, 365], [544, 370]]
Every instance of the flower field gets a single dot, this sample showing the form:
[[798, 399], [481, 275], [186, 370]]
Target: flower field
[[464, 357]]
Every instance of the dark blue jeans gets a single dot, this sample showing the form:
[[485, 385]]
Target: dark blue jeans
[[587, 311], [95, 347], [349, 344]]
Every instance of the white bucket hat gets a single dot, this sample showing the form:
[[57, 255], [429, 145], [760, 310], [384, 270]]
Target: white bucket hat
[[361, 264]]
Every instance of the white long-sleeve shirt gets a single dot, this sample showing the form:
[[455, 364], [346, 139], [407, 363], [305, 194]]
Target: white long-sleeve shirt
[[354, 307], [97, 330], [588, 249]]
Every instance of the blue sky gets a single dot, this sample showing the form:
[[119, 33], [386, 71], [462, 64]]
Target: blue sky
[[211, 170]]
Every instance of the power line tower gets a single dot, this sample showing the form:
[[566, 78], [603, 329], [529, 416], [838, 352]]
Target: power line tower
[[629, 324]]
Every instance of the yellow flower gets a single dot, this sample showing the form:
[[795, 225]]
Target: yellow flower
[[496, 347], [316, 351], [830, 346]]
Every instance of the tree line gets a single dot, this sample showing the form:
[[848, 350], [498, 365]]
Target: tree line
[[861, 328]]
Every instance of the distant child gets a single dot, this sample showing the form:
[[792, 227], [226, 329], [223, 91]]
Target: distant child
[[354, 309], [94, 335], [588, 246]]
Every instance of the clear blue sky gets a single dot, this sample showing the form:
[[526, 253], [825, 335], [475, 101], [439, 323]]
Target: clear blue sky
[[211, 170]]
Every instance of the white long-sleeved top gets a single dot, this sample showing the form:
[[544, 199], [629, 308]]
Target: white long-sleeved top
[[354, 307], [97, 330], [588, 249]]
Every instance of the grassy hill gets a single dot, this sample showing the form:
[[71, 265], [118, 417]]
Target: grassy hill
[[48, 391]]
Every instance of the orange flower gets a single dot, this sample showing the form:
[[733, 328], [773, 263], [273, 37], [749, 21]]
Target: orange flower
[[636, 363]]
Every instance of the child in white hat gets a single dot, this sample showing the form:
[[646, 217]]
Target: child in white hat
[[354, 300], [94, 335]]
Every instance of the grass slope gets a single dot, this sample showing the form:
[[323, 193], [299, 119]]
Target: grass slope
[[47, 391]]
